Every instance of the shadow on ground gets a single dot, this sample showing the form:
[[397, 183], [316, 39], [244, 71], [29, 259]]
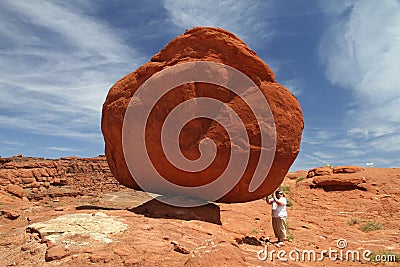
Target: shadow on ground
[[94, 207], [155, 208]]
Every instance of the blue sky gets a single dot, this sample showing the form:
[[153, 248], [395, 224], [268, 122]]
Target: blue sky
[[58, 60]]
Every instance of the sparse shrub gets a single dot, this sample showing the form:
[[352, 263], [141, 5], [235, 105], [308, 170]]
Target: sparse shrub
[[383, 255], [300, 178], [284, 188], [370, 226], [255, 232], [289, 203], [329, 165], [353, 221], [289, 234]]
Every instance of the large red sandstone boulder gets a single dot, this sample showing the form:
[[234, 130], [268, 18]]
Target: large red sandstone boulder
[[206, 45]]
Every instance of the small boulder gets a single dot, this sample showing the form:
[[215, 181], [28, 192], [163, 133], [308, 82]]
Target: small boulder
[[339, 182], [10, 214], [15, 190], [179, 248], [319, 171], [56, 253], [346, 169]]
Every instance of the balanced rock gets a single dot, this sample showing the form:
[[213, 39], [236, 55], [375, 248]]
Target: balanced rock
[[200, 136]]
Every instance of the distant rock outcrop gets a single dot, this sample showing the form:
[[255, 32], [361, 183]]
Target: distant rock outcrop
[[346, 169], [319, 171], [209, 45], [340, 178], [340, 182], [33, 177]]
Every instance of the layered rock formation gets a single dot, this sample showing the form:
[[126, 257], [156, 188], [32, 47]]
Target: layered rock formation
[[209, 45], [34, 177], [339, 178]]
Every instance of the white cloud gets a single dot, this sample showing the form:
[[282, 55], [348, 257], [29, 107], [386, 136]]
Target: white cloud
[[75, 29], [345, 144], [322, 135], [49, 128], [315, 136], [335, 8], [64, 149], [324, 156], [361, 52], [249, 20], [321, 146], [390, 143], [12, 143], [8, 148], [56, 66], [294, 86]]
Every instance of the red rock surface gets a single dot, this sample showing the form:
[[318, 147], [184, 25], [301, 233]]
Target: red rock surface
[[346, 169], [15, 190], [161, 236], [339, 182], [56, 253], [319, 171], [212, 45]]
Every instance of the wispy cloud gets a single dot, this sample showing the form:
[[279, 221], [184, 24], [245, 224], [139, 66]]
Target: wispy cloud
[[295, 86], [12, 143], [64, 149], [361, 52], [330, 145], [56, 66], [249, 20]]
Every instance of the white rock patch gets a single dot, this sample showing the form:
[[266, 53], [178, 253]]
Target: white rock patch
[[98, 226]]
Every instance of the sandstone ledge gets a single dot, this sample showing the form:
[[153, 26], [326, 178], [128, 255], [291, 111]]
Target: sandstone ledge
[[36, 178]]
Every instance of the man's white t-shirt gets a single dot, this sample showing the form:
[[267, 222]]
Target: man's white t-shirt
[[279, 211]]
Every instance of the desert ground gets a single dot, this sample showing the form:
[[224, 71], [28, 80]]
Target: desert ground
[[72, 212]]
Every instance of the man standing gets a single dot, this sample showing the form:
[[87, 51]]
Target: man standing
[[279, 215]]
